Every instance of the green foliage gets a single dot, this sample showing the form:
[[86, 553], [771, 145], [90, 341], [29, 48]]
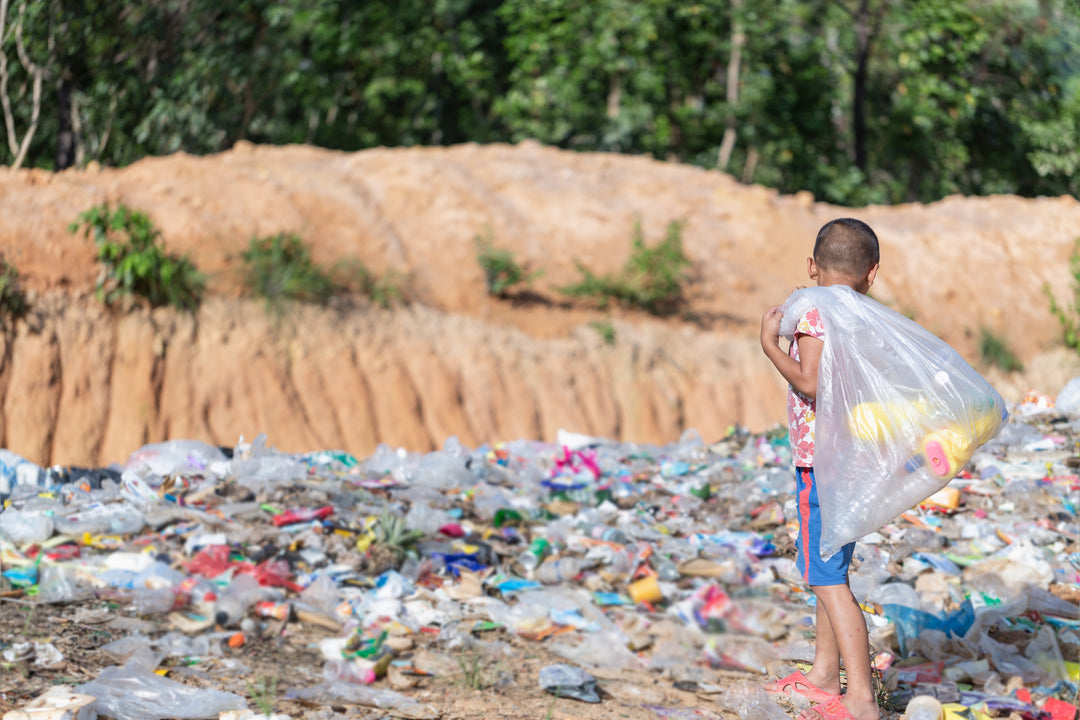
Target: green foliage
[[882, 694], [856, 102], [1069, 317], [134, 262], [12, 298], [993, 351], [501, 271], [385, 291], [391, 531], [473, 663], [653, 278], [264, 694], [279, 268], [605, 330]]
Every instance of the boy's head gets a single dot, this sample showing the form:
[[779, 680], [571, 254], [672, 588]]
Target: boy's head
[[845, 252]]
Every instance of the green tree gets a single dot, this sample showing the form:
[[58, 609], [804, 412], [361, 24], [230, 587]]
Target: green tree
[[967, 79], [857, 101]]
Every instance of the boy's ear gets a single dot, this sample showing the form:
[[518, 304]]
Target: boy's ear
[[871, 274], [812, 268]]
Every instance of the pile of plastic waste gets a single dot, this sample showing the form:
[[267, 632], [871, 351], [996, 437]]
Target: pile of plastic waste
[[676, 560]]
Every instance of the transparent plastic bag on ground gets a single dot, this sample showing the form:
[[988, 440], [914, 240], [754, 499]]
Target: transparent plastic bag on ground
[[173, 456], [1068, 400], [135, 692], [749, 701], [25, 526], [402, 705], [899, 412], [16, 470]]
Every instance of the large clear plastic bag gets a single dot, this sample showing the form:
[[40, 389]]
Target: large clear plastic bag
[[135, 692], [899, 412]]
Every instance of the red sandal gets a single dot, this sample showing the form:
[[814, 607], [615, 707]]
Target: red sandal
[[831, 710], [797, 682]]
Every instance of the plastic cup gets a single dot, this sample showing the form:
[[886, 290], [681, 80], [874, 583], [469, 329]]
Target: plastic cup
[[645, 590]]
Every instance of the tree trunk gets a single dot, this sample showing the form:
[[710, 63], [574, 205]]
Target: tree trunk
[[750, 166], [37, 73], [614, 98], [738, 38], [76, 129], [863, 37], [65, 136]]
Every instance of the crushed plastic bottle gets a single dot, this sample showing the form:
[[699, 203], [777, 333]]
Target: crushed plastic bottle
[[233, 603]]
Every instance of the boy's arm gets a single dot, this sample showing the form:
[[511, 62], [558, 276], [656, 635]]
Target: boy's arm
[[801, 373]]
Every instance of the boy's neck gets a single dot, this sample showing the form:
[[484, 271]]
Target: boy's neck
[[827, 279], [830, 279]]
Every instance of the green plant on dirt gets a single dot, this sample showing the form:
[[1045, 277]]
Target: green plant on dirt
[[882, 693], [502, 271], [605, 330], [474, 675], [653, 279], [264, 693], [1069, 316], [279, 268], [12, 298], [135, 263], [993, 351], [385, 291], [30, 611], [392, 543]]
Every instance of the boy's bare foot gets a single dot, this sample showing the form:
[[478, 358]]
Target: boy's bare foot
[[828, 683]]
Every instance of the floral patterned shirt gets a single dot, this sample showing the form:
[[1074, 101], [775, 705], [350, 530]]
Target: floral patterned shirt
[[801, 409]]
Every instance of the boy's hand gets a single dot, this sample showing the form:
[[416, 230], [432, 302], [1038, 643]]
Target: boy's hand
[[770, 326]]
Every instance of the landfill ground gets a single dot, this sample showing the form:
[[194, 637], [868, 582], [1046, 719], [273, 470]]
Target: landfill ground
[[679, 598], [488, 682]]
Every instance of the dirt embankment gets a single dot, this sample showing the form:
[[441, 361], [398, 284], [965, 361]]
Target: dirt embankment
[[83, 385]]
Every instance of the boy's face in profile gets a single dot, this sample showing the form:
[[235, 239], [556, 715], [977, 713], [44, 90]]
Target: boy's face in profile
[[824, 277]]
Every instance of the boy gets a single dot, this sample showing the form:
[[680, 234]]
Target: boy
[[845, 253]]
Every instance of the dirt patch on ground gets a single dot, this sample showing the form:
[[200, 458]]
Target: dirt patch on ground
[[495, 676]]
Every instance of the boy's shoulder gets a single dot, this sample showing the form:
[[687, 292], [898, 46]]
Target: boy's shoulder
[[810, 323]]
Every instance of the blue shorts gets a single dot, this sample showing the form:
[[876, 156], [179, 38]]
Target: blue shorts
[[813, 569]]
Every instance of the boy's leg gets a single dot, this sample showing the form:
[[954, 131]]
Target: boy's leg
[[825, 672], [818, 573], [847, 629]]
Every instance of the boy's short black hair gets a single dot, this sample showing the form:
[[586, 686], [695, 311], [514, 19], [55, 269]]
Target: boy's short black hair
[[847, 246]]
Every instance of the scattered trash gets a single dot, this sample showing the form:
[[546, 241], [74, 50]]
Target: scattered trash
[[135, 692], [58, 703], [924, 707], [570, 682], [403, 569]]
